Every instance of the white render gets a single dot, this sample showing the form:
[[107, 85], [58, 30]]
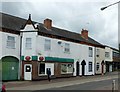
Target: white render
[[8, 51], [78, 52], [108, 49], [99, 60]]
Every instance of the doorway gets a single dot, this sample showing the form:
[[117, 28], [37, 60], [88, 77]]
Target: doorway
[[77, 68], [27, 72], [83, 63]]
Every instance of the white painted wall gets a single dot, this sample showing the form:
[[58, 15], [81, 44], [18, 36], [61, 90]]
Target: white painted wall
[[5, 51], [108, 49], [99, 60]]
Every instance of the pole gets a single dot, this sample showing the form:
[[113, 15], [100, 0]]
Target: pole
[[113, 86], [109, 5]]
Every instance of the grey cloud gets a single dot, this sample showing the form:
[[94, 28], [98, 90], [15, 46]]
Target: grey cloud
[[72, 16]]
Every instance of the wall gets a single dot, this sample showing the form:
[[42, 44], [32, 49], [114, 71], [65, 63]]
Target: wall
[[99, 60], [8, 51]]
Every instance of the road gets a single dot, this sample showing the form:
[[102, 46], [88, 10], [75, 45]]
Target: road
[[99, 85], [98, 82]]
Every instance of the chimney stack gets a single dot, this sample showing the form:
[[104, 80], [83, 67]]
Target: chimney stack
[[48, 23], [84, 33]]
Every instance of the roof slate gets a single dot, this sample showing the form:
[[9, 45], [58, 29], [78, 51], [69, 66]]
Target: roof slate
[[16, 23]]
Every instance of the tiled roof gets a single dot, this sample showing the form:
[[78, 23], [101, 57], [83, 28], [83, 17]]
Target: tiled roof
[[16, 23]]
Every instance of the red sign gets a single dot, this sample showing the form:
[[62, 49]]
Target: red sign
[[41, 58], [27, 58]]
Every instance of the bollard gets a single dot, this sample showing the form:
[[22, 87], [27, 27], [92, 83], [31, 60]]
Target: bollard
[[113, 86]]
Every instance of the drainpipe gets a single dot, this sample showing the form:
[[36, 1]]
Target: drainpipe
[[95, 61], [20, 63]]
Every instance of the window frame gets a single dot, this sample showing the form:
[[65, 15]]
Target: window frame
[[90, 68], [90, 52], [67, 48], [47, 45], [11, 42], [41, 74], [28, 44]]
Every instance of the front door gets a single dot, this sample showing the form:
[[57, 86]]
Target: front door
[[83, 63], [77, 68], [83, 70], [27, 72]]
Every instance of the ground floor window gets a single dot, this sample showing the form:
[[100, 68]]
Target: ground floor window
[[66, 68], [90, 67], [42, 68], [97, 66]]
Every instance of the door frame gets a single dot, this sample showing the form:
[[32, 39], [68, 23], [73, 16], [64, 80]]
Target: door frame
[[25, 70]]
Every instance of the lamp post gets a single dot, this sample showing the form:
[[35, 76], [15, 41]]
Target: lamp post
[[109, 5]]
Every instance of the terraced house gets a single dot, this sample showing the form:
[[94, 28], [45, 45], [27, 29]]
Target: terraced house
[[30, 48]]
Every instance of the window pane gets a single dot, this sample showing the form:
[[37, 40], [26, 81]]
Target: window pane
[[97, 66], [90, 51], [28, 43], [47, 45], [90, 67], [42, 68], [63, 68], [67, 47], [10, 42], [70, 68]]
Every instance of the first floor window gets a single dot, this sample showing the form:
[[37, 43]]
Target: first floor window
[[97, 66], [90, 67], [28, 43], [10, 42], [107, 54], [90, 52], [42, 68], [67, 48], [66, 68]]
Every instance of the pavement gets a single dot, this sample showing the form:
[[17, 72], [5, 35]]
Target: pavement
[[56, 83]]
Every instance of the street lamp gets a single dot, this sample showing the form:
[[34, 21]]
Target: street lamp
[[109, 5]]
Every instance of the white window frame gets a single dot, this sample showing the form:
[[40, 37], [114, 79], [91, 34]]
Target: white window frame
[[97, 52], [90, 66], [28, 44], [107, 54], [10, 42], [67, 68], [97, 66], [90, 52], [67, 48], [47, 45]]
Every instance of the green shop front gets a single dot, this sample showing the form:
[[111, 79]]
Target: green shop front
[[36, 67]]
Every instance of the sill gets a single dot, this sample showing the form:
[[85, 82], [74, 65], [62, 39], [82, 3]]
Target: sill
[[10, 48], [67, 52]]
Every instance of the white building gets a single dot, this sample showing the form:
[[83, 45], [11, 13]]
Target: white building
[[41, 47]]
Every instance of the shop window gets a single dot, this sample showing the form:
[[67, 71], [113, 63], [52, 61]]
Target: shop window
[[42, 68], [90, 67], [10, 42], [97, 66], [66, 68]]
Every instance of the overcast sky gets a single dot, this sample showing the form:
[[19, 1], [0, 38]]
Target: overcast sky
[[72, 15]]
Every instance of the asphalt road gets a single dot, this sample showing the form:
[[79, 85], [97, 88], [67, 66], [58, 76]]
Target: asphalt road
[[99, 85]]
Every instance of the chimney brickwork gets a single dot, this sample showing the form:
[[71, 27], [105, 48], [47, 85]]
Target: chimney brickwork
[[84, 33], [48, 23]]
